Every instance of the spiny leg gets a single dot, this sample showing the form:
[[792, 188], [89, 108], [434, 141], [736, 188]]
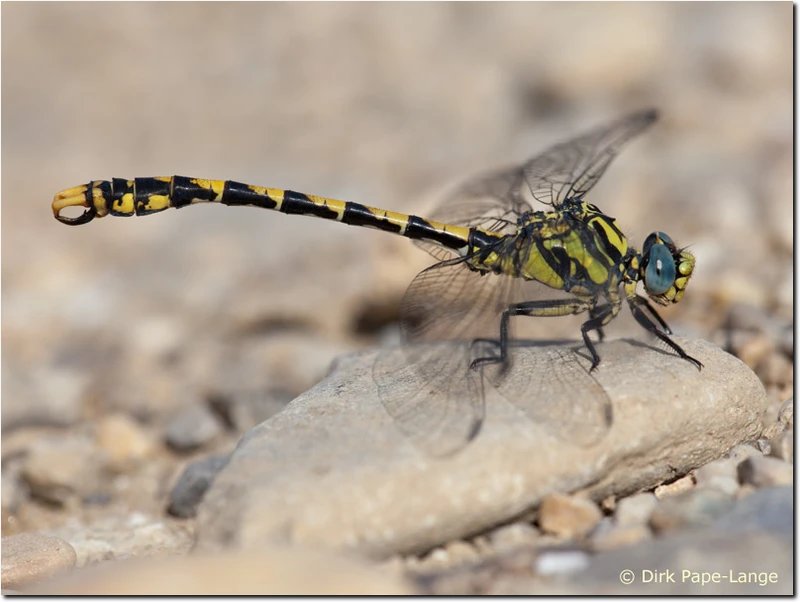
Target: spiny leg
[[594, 312], [555, 307], [638, 305], [646, 304], [600, 317]]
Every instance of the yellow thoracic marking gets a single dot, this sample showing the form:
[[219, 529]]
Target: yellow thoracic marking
[[537, 268], [621, 243], [596, 270]]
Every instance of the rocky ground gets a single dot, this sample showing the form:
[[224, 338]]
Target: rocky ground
[[188, 399]]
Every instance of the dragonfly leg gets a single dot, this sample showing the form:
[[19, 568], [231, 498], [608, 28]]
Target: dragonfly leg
[[638, 306], [645, 304], [594, 312], [599, 317], [548, 308]]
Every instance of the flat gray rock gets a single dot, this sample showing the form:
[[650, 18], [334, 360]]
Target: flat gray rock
[[334, 469]]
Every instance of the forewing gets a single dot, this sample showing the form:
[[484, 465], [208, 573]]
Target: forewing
[[572, 168], [491, 202], [494, 201]]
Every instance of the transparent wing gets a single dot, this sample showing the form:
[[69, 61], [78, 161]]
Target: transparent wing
[[448, 301], [491, 202], [572, 168], [427, 386], [429, 390], [553, 387], [435, 400], [494, 201]]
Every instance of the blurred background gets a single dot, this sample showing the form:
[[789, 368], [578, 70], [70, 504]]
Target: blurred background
[[123, 328]]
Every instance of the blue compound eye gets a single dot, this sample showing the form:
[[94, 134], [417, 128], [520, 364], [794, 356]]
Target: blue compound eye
[[654, 239], [664, 238], [660, 272]]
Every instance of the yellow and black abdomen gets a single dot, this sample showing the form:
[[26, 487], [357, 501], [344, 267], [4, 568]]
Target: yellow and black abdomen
[[143, 196]]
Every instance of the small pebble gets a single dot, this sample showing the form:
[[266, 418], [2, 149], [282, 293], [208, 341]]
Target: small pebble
[[31, 557], [692, 508], [568, 516], [193, 427], [555, 562], [126, 443], [678, 487], [635, 510], [120, 536], [762, 471], [786, 414], [719, 474], [620, 537], [59, 469], [511, 536], [460, 551], [783, 446], [193, 484], [742, 452]]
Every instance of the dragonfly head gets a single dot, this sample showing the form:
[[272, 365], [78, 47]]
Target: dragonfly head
[[665, 269]]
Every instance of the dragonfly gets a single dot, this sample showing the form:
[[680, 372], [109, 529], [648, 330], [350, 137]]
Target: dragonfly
[[497, 234]]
